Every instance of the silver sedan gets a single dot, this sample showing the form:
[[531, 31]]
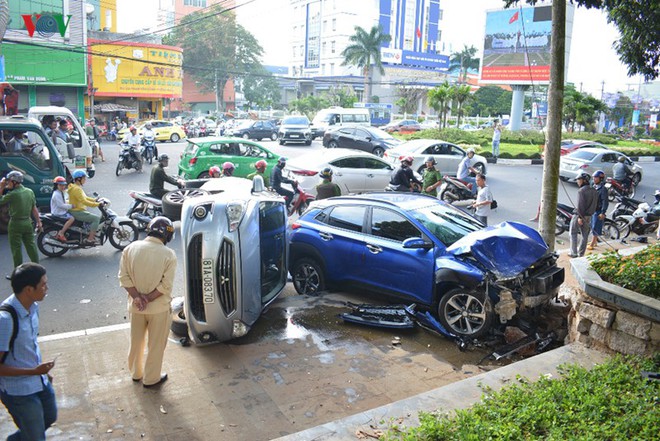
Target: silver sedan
[[588, 160], [446, 155]]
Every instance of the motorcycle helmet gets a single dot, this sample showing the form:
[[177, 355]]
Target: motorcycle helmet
[[408, 160], [281, 161], [148, 126], [132, 128], [161, 227], [215, 170], [59, 180], [584, 176], [78, 174], [261, 165], [228, 169], [326, 173], [430, 159], [621, 159], [164, 157], [599, 174], [15, 176]]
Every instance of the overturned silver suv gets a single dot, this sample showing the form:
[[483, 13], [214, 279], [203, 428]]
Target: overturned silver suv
[[235, 253]]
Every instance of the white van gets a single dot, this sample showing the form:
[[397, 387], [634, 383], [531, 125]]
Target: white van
[[82, 149], [333, 117]]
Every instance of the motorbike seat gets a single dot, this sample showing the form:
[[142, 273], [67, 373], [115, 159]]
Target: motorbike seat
[[55, 218]]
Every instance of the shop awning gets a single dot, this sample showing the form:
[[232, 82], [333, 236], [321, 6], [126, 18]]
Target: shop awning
[[112, 107]]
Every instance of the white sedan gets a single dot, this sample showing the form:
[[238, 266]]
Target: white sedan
[[353, 171], [447, 155]]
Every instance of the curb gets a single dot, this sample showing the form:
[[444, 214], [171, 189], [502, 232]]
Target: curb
[[505, 161]]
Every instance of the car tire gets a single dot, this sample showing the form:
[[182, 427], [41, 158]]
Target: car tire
[[173, 201], [282, 142], [273, 137], [378, 151], [636, 179], [465, 313], [179, 324], [307, 276], [245, 136], [175, 137], [333, 144]]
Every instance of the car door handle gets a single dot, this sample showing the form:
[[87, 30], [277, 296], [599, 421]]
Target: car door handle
[[373, 249], [325, 236], [370, 175]]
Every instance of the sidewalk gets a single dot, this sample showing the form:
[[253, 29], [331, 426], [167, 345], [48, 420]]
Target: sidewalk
[[297, 372]]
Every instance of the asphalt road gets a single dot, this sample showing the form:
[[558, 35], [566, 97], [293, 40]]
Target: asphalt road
[[83, 287]]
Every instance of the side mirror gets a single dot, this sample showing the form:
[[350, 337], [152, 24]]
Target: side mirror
[[368, 138], [413, 243]]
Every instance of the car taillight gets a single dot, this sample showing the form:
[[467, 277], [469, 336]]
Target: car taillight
[[295, 226], [304, 172], [192, 161]]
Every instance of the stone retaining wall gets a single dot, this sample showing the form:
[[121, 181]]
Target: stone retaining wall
[[609, 317]]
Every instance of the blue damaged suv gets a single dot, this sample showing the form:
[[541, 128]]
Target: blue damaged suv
[[417, 249]]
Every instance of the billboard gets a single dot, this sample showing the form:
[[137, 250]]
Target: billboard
[[136, 70], [53, 65], [414, 59], [517, 45]]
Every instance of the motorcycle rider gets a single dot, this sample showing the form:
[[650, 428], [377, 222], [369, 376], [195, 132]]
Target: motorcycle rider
[[159, 177], [603, 203], [79, 200], [431, 178], [465, 168], [92, 133], [228, 169], [215, 172], [403, 178], [260, 167], [622, 172], [59, 207], [150, 135], [327, 189], [276, 180], [133, 140]]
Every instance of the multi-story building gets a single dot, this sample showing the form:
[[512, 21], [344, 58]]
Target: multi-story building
[[415, 56]]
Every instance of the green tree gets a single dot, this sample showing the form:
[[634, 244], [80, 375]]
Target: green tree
[[309, 105], [342, 96], [439, 99], [462, 61], [488, 101], [261, 89], [581, 108], [408, 100], [622, 109], [462, 94], [219, 48], [363, 51]]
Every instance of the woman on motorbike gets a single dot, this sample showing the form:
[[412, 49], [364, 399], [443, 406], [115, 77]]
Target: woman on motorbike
[[215, 172], [228, 169], [59, 207], [80, 200]]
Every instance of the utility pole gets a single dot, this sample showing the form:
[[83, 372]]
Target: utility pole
[[215, 88]]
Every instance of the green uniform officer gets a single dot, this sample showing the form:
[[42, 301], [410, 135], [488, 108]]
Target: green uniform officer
[[260, 165], [22, 204], [431, 179], [327, 189]]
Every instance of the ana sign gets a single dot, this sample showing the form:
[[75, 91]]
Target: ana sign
[[46, 25]]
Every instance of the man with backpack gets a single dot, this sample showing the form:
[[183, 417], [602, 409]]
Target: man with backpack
[[25, 385]]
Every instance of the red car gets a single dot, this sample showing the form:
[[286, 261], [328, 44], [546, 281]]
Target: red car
[[403, 126], [570, 145]]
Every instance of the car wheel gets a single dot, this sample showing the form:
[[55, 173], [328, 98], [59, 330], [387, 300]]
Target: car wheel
[[246, 136], [307, 276], [204, 175], [636, 179], [333, 144], [179, 324], [273, 137], [378, 151], [173, 201], [465, 313], [610, 230], [175, 137]]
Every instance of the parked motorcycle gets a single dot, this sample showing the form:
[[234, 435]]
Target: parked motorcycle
[[301, 200], [453, 190], [644, 220], [624, 206], [563, 222], [149, 148], [144, 208], [119, 230], [129, 158], [616, 188]]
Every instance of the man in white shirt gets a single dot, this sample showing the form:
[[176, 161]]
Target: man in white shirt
[[465, 168], [484, 200]]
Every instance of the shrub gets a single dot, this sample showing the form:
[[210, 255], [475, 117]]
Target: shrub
[[521, 137], [611, 401], [506, 155], [639, 272], [587, 136], [655, 133]]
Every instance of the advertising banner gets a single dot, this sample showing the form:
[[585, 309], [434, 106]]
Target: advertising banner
[[390, 56], [51, 65], [425, 59], [136, 70], [517, 45]]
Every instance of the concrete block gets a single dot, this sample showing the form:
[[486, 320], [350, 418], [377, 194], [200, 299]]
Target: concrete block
[[625, 343], [654, 333], [600, 316], [583, 325], [632, 324], [584, 339], [598, 333]]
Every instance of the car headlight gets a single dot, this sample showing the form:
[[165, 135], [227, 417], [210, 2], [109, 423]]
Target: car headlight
[[200, 212], [235, 212]]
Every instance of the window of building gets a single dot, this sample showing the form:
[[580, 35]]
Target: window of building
[[334, 24], [323, 48], [294, 52], [323, 69], [302, 50], [332, 47], [198, 3], [332, 68]]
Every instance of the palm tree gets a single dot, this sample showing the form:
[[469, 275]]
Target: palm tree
[[461, 95], [439, 98], [462, 61], [363, 51]]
